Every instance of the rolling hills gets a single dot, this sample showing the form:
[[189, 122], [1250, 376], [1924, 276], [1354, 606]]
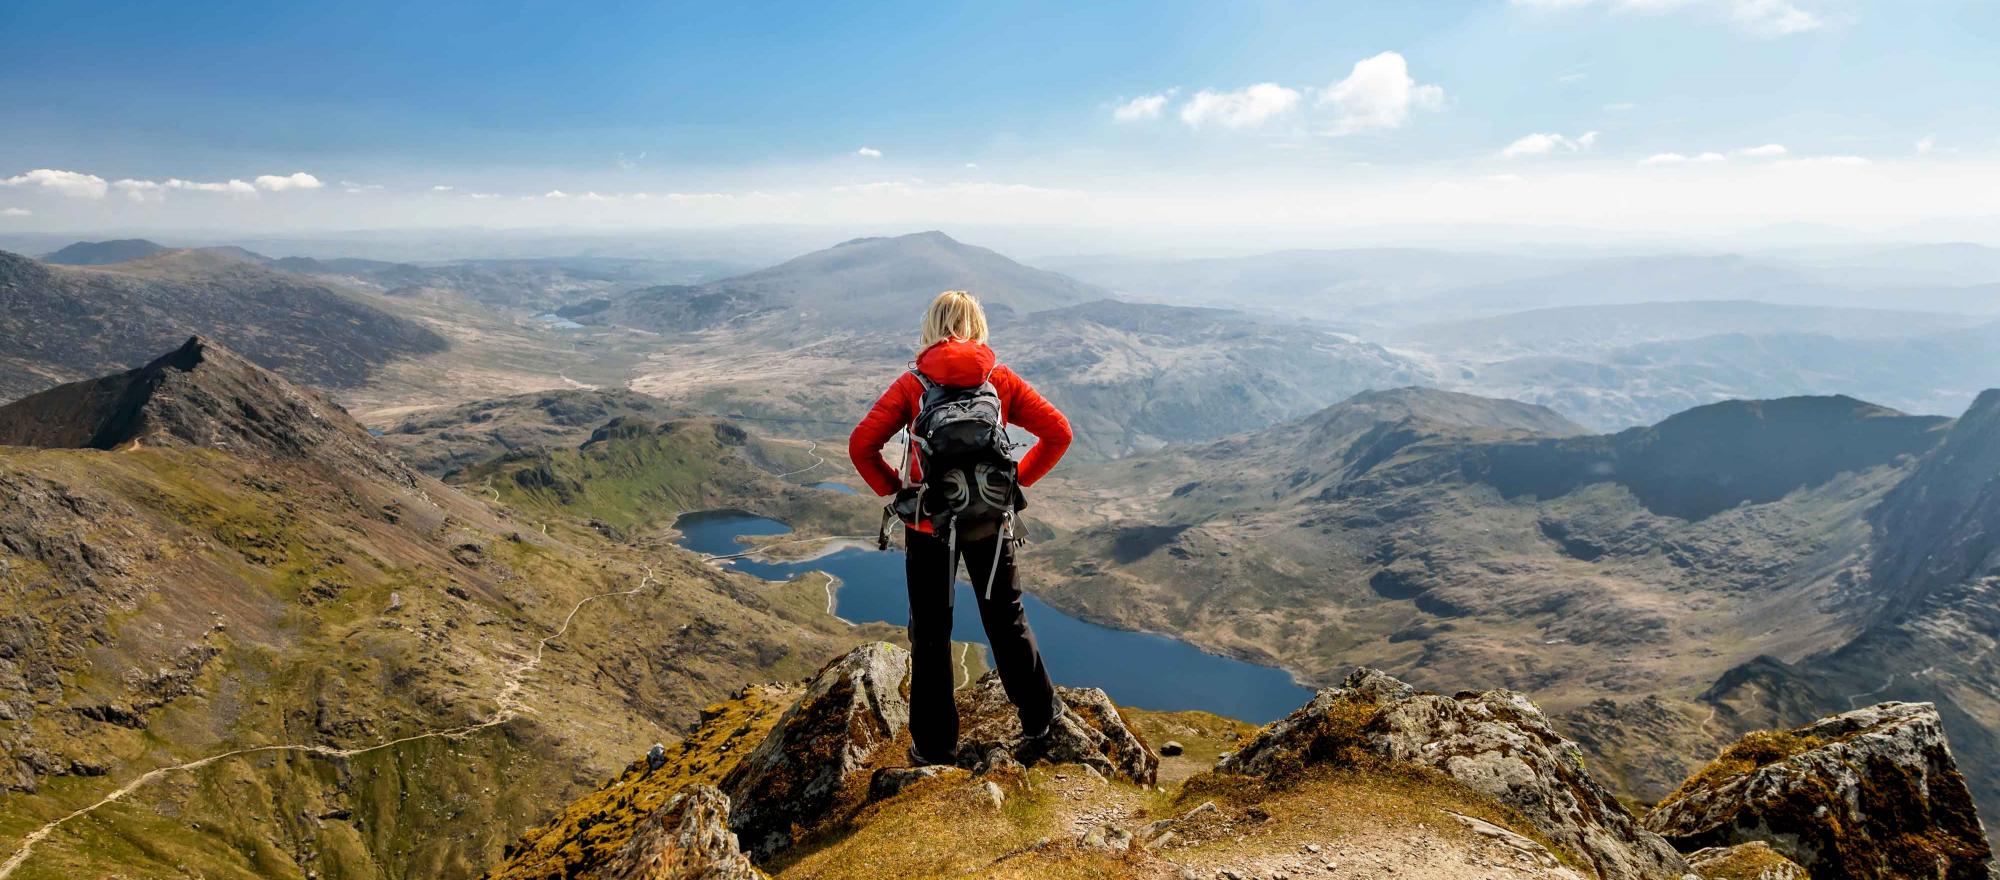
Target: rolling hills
[[63, 323]]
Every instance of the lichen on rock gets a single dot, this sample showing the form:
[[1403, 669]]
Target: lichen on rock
[[1090, 732], [1872, 793], [1496, 742], [688, 839]]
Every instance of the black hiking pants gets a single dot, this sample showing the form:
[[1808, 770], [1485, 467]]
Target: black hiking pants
[[933, 669]]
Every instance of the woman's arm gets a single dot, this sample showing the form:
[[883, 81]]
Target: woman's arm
[[890, 414], [1029, 409]]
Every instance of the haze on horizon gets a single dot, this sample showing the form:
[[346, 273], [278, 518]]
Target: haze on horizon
[[1276, 124]]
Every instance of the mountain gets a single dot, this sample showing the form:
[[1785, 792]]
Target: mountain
[[867, 283], [243, 640], [98, 253], [444, 440], [1637, 568], [532, 284], [1321, 284], [1936, 372], [63, 323], [1574, 330]]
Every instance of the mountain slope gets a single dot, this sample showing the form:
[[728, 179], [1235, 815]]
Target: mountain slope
[[234, 646], [867, 283], [98, 253], [61, 324]]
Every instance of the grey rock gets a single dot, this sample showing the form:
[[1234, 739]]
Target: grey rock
[[686, 839], [891, 781], [1496, 742], [1878, 796], [848, 718], [1744, 861], [1089, 732]]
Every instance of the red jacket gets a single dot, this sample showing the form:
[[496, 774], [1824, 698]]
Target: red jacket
[[956, 362]]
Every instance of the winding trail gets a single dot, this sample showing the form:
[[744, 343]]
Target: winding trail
[[964, 674], [508, 706], [1854, 700], [812, 449]]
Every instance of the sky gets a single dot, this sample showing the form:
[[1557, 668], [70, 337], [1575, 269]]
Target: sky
[[1698, 117]]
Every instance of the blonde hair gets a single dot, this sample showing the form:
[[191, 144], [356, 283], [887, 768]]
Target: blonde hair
[[954, 313]]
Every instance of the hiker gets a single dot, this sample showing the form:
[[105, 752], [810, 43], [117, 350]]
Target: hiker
[[957, 494]]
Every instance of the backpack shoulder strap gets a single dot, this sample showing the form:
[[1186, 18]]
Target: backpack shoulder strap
[[923, 379]]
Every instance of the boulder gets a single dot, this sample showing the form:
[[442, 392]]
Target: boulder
[[891, 781], [1089, 732], [686, 839], [1495, 742], [1872, 793], [816, 762], [1744, 861]]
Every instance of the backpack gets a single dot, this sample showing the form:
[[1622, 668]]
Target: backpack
[[970, 482]]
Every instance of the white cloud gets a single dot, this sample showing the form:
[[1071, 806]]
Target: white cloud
[[484, 195], [1142, 107], [1577, 76], [1378, 95], [1926, 143], [295, 180], [1825, 162], [868, 153], [1682, 159], [351, 186], [74, 184], [441, 188], [15, 212], [1544, 143], [555, 194], [1244, 108], [972, 165], [154, 190], [1766, 18], [1767, 151]]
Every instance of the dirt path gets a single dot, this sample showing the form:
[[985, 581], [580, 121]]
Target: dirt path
[[812, 449], [1855, 700], [507, 702]]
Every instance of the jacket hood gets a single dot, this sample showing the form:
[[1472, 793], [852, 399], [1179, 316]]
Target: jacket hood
[[957, 362]]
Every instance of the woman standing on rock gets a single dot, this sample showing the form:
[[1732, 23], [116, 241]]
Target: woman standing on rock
[[957, 494]]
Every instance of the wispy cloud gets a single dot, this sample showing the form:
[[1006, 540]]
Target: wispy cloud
[[1142, 107], [1682, 158], [1926, 144], [869, 153], [555, 194], [74, 184], [441, 188], [1379, 94], [1544, 143], [1765, 18], [1767, 151], [15, 212], [1247, 107]]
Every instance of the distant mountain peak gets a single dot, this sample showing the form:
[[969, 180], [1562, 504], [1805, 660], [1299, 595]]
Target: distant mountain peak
[[204, 395], [100, 253]]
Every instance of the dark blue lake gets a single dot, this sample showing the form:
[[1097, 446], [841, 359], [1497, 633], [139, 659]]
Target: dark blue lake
[[1136, 669], [832, 486]]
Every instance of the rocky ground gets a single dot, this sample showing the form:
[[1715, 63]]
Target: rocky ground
[[1373, 779]]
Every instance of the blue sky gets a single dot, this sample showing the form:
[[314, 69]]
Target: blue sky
[[1656, 114]]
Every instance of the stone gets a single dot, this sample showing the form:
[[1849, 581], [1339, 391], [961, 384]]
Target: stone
[[891, 781], [809, 767], [1496, 742], [1170, 748], [1744, 861], [1869, 794], [688, 838], [993, 794], [1089, 732]]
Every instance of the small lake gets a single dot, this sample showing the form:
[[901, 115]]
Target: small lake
[[832, 486], [1136, 669]]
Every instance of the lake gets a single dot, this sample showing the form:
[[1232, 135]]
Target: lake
[[1136, 669]]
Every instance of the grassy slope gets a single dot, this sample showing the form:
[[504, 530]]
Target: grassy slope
[[301, 576]]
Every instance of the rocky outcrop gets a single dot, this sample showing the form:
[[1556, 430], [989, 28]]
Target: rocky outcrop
[[816, 763], [1496, 742], [1872, 793], [1089, 732], [1744, 861], [200, 394], [688, 839]]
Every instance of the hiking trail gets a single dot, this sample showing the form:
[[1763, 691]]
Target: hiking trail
[[508, 707]]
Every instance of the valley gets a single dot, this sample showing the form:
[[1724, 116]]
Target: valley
[[308, 637]]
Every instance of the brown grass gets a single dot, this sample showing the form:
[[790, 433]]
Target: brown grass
[[1756, 749]]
